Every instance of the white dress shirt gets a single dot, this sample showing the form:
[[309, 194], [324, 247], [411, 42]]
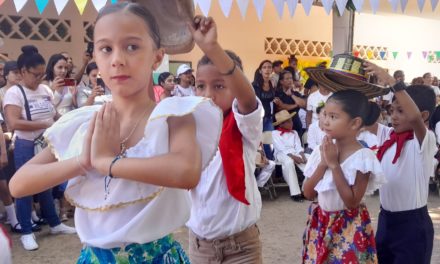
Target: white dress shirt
[[288, 143], [407, 184], [215, 213]]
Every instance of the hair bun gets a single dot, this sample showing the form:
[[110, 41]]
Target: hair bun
[[29, 49]]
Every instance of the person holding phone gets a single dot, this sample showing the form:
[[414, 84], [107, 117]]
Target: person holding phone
[[64, 88], [91, 93]]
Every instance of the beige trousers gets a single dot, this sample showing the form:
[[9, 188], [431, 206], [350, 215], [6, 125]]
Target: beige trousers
[[241, 248]]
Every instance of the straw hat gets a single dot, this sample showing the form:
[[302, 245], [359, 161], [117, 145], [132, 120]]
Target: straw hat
[[282, 116], [172, 17], [346, 72]]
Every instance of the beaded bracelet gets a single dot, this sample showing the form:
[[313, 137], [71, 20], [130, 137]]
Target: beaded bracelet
[[109, 177]]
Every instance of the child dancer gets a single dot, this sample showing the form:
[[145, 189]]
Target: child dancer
[[288, 151], [405, 232], [117, 156], [226, 204], [340, 174]]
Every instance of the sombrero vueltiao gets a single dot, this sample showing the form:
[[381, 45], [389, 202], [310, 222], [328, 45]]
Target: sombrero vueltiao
[[346, 72], [282, 116], [172, 17]]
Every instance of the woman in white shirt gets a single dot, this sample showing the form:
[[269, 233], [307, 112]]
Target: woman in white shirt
[[64, 89], [29, 112]]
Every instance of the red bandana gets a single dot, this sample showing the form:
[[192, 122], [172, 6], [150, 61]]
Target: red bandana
[[400, 139], [231, 151], [283, 130]]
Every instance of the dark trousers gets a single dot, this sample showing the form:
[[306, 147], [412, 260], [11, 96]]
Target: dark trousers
[[404, 237]]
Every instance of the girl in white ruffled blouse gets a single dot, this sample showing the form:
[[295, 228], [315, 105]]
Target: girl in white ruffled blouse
[[339, 173], [129, 162]]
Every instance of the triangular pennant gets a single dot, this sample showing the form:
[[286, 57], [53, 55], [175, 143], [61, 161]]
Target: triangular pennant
[[41, 5], [374, 5], [382, 54], [307, 5], [341, 4], [358, 4], [370, 54], [421, 3], [19, 4], [403, 4], [114, 1], [395, 53], [394, 4], [243, 6], [356, 53], [204, 6], [98, 4], [292, 4], [437, 54], [433, 4], [424, 54], [226, 6], [279, 6], [60, 5], [430, 58], [81, 4], [328, 5], [409, 54], [259, 6]]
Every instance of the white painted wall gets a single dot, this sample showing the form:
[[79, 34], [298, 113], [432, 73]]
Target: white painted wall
[[401, 33]]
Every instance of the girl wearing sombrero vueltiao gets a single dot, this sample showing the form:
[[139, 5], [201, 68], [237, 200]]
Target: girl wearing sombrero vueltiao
[[339, 173], [128, 198]]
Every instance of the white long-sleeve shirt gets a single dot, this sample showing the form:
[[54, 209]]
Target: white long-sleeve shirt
[[288, 143]]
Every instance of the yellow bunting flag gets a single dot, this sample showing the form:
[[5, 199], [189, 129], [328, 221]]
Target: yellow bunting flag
[[81, 4], [369, 54]]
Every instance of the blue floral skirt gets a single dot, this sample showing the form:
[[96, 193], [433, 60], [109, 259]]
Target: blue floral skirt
[[162, 251], [340, 237]]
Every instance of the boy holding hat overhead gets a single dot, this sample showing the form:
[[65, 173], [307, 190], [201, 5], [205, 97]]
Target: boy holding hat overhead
[[288, 151], [405, 231]]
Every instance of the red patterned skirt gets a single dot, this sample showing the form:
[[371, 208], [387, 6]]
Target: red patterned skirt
[[344, 236]]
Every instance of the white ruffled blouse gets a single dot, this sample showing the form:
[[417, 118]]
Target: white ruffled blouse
[[363, 160], [133, 212]]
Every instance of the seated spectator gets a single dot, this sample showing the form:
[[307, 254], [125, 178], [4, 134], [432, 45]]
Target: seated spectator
[[56, 78], [288, 99], [288, 151], [417, 81], [92, 93], [276, 70], [184, 87], [167, 82], [265, 166]]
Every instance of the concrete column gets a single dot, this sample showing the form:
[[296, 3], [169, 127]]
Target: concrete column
[[343, 32]]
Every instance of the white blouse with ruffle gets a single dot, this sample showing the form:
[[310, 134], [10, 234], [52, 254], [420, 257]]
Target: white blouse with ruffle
[[133, 212], [363, 160]]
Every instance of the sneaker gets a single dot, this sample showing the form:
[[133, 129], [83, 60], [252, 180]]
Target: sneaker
[[62, 229], [29, 242]]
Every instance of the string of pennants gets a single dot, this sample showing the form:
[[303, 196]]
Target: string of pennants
[[429, 56], [357, 5], [59, 4], [243, 5]]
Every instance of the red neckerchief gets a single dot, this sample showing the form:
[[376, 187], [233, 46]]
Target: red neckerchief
[[400, 139], [283, 130], [231, 151]]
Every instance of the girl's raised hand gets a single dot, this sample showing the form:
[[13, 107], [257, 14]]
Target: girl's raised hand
[[84, 159], [331, 154], [381, 73], [105, 145], [204, 31]]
